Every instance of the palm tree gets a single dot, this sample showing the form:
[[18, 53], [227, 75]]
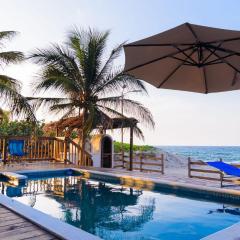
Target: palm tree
[[88, 83], [9, 87]]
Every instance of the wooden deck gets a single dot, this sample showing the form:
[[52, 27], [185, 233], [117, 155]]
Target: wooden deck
[[15, 227]]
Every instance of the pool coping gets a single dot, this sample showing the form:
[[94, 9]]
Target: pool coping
[[147, 182], [229, 233], [214, 193]]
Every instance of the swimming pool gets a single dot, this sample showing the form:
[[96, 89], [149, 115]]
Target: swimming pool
[[112, 211]]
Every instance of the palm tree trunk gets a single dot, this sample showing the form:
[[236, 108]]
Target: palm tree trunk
[[82, 138]]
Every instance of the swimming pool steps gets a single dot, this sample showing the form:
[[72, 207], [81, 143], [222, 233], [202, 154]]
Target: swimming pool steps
[[14, 177]]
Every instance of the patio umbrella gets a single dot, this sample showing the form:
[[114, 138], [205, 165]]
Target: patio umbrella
[[188, 57]]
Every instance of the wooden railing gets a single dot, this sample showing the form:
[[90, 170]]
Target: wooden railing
[[46, 148], [75, 153], [141, 161], [201, 170]]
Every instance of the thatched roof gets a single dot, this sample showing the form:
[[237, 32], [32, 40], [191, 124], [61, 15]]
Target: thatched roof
[[71, 123]]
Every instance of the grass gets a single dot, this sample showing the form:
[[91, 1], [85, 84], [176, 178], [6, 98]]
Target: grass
[[126, 147]]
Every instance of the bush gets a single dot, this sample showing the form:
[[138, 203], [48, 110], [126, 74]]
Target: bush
[[126, 147], [20, 128]]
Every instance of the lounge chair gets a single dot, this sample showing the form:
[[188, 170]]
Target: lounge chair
[[225, 168], [16, 148]]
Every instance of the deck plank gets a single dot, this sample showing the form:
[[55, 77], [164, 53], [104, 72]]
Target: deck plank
[[15, 227], [41, 237], [11, 222]]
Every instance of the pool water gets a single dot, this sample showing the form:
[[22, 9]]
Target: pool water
[[117, 212]]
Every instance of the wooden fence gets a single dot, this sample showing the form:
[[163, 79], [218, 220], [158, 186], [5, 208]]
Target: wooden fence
[[141, 161], [201, 170], [46, 148]]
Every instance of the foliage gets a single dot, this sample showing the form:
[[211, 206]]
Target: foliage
[[74, 135], [126, 147], [5, 115], [10, 88], [21, 128], [88, 84]]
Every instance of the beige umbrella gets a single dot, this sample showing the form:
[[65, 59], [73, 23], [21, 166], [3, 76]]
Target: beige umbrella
[[188, 57]]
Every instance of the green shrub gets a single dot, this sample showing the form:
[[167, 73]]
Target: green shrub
[[126, 147], [20, 128]]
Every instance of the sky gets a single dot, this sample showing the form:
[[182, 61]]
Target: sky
[[182, 118]]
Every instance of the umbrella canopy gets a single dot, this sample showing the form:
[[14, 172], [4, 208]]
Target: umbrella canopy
[[188, 57]]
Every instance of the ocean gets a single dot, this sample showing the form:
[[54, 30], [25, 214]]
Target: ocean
[[206, 153]]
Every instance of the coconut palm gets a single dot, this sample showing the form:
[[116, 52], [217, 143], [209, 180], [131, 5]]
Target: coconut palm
[[9, 87], [88, 83]]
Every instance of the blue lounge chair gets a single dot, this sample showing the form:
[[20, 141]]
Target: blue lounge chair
[[16, 148], [225, 168]]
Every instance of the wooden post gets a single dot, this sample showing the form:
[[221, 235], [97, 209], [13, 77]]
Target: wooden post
[[131, 149], [141, 159], [4, 154], [65, 151], [221, 176], [162, 157], [54, 149], [189, 167]]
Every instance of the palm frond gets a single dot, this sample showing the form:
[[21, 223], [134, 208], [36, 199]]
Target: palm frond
[[16, 102], [131, 108], [138, 132], [38, 102], [6, 35], [115, 53], [9, 87], [116, 80], [11, 57], [89, 47], [60, 69], [111, 112], [10, 82]]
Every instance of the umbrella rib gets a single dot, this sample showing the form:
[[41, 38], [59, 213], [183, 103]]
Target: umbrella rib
[[180, 59], [211, 53], [158, 45], [155, 60], [224, 40], [222, 49], [188, 56], [175, 70], [225, 61], [229, 64], [192, 31], [216, 60]]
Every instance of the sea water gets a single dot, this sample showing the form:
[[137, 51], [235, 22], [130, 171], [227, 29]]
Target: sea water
[[206, 153]]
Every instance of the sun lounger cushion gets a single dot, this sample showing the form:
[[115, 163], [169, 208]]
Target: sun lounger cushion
[[15, 148], [226, 168]]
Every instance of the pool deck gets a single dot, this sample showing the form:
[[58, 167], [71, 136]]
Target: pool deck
[[15, 227]]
